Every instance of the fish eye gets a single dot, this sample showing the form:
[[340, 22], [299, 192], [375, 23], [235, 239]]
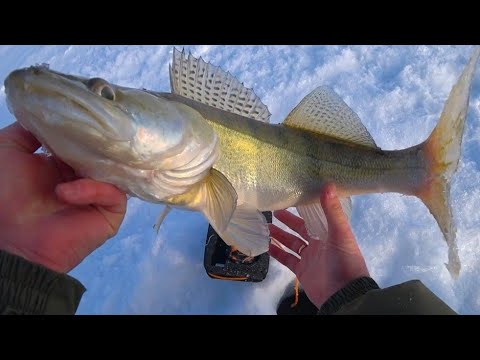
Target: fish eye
[[107, 92], [102, 88]]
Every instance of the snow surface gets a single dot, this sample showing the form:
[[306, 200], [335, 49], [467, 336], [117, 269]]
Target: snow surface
[[398, 92]]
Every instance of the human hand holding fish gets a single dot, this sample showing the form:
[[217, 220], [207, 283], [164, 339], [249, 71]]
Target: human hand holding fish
[[48, 215], [322, 267]]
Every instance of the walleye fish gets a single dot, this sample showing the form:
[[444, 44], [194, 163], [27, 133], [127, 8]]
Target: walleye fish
[[208, 146]]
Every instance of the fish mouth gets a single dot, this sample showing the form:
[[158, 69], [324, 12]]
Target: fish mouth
[[67, 101]]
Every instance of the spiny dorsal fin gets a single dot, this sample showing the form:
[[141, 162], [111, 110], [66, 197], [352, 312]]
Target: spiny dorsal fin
[[324, 112], [200, 81]]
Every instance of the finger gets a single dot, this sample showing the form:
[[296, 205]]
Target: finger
[[291, 241], [17, 137], [292, 221], [338, 226], [91, 192], [283, 257]]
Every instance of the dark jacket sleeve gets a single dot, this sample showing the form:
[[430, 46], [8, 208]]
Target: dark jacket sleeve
[[28, 288], [364, 297]]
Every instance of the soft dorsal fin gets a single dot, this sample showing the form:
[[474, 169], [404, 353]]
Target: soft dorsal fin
[[324, 112], [200, 81]]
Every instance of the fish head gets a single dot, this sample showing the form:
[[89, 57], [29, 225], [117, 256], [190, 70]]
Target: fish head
[[42, 98], [79, 118]]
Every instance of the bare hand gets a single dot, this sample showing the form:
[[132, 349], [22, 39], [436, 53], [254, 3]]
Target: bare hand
[[326, 265], [47, 214]]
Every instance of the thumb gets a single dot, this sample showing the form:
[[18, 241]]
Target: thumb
[[339, 231]]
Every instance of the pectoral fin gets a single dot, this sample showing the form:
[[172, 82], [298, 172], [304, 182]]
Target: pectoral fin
[[220, 200], [215, 197]]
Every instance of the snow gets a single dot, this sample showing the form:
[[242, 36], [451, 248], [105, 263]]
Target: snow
[[398, 92]]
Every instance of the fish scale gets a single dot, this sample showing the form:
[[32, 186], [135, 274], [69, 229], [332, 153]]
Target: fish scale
[[268, 161]]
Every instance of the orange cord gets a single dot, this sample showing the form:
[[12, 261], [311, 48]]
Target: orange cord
[[239, 278], [297, 289]]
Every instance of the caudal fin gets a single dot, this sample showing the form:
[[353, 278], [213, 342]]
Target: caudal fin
[[442, 152]]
